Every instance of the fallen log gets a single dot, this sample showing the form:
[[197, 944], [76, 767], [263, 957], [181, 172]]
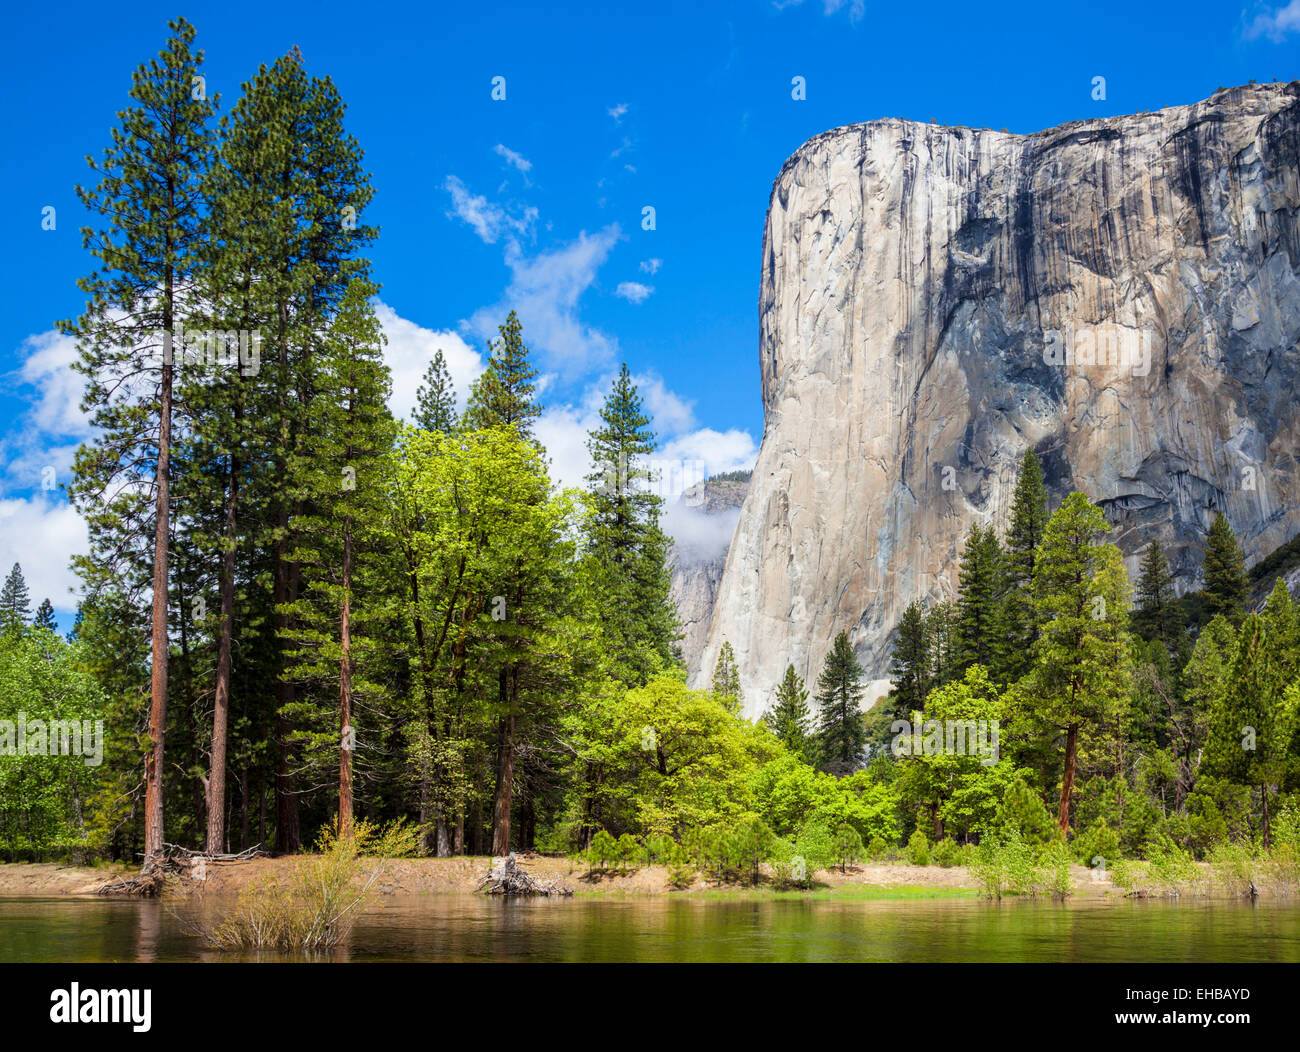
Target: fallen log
[[173, 861], [507, 877]]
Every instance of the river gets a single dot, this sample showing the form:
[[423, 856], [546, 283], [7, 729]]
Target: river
[[724, 929]]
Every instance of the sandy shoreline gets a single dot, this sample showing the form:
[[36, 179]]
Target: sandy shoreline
[[461, 876]]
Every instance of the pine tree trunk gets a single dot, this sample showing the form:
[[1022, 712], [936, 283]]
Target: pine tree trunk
[[221, 700], [288, 834], [153, 769], [1067, 782], [505, 776], [345, 692]]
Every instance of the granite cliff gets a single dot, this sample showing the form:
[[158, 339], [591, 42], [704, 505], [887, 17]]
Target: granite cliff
[[1121, 295]]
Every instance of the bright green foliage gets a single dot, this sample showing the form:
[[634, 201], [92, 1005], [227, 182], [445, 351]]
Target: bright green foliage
[[662, 760], [917, 851], [840, 731], [1253, 722], [946, 853], [46, 685], [503, 393], [1224, 569], [788, 716], [435, 401], [847, 845], [957, 790], [1021, 812], [626, 547]]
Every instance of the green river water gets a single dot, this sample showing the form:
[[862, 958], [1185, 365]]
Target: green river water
[[724, 929]]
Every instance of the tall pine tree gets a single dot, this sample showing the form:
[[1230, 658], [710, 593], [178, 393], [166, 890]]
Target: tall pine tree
[[627, 547], [1224, 568], [1028, 520], [788, 716], [841, 733], [1081, 653], [45, 617], [504, 392], [149, 200], [435, 401], [981, 635], [15, 601]]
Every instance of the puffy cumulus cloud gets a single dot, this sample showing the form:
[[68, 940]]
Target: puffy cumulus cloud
[[488, 220], [563, 430], [712, 451], [546, 289], [409, 351], [617, 112], [43, 535], [1276, 25], [633, 291], [47, 366], [651, 266], [46, 434]]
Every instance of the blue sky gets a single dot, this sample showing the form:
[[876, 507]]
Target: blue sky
[[537, 201]]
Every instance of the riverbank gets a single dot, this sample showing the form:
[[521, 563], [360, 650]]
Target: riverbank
[[424, 876]]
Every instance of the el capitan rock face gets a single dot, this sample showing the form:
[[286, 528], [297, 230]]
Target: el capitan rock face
[[1119, 294]]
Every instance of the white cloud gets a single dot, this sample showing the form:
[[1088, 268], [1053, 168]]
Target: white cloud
[[410, 350], [545, 289], [698, 536], [48, 366], [617, 112], [47, 433], [489, 221], [633, 291], [715, 451], [513, 158], [651, 266], [563, 430], [671, 413], [1275, 25], [43, 535]]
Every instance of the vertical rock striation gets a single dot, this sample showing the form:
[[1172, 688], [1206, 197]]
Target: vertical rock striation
[[1119, 294]]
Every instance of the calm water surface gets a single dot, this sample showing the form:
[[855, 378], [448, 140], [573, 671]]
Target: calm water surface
[[473, 928]]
